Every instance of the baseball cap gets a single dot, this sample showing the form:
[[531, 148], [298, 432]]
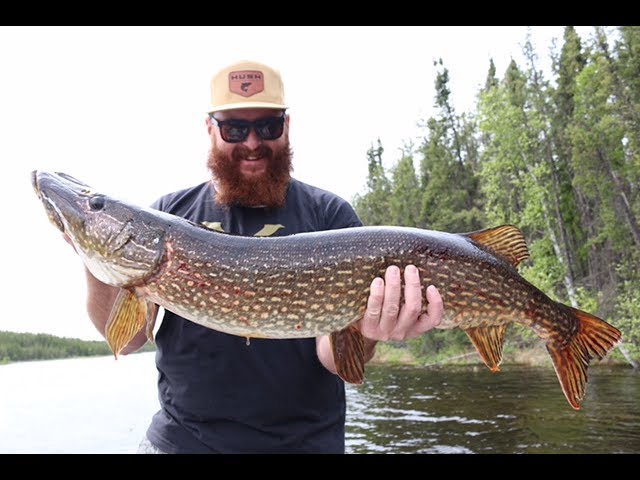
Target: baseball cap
[[246, 84]]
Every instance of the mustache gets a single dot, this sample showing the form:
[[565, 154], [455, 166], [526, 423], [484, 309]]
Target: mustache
[[242, 151]]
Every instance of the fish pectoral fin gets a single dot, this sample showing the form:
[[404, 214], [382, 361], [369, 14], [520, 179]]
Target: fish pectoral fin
[[595, 338], [348, 353], [505, 241], [128, 316], [489, 342], [150, 320]]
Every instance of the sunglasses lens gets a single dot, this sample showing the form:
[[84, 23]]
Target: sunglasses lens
[[270, 128], [236, 131]]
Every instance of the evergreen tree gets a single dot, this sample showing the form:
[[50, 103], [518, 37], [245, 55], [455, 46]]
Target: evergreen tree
[[450, 191], [404, 204], [373, 206]]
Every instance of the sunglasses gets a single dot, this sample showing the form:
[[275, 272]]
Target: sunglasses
[[236, 131]]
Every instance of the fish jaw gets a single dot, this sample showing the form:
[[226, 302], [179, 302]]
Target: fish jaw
[[49, 192], [116, 243]]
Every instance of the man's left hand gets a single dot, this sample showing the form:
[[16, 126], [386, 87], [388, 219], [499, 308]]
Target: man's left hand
[[386, 319]]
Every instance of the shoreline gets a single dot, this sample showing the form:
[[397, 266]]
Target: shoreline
[[538, 356]]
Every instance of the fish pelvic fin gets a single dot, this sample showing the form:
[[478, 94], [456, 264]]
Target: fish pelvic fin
[[128, 316], [505, 241], [348, 353], [489, 342], [594, 339]]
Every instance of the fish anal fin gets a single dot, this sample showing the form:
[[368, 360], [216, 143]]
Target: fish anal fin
[[489, 342], [594, 339], [128, 316], [505, 241], [348, 353]]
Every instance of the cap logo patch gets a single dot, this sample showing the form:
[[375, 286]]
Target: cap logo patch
[[246, 82]]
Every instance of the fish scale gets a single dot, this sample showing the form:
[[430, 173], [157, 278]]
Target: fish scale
[[313, 284]]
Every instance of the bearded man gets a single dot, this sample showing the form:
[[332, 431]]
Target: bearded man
[[219, 393]]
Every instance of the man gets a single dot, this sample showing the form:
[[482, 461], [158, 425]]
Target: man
[[217, 392]]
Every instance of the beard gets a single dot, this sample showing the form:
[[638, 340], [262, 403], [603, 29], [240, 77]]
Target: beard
[[268, 189]]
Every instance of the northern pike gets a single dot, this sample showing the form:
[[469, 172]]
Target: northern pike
[[312, 284]]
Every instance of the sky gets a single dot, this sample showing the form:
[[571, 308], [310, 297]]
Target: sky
[[123, 109]]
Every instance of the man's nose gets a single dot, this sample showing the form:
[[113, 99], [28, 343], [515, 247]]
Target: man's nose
[[253, 140]]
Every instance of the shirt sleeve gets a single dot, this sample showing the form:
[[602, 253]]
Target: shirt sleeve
[[340, 214]]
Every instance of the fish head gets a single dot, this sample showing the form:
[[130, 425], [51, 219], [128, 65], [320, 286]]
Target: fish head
[[119, 243]]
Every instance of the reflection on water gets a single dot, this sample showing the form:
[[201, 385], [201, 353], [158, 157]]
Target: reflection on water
[[470, 410]]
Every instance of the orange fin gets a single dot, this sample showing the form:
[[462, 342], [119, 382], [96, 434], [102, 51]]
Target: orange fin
[[348, 353], [594, 338], [488, 341], [127, 318], [150, 320], [506, 242]]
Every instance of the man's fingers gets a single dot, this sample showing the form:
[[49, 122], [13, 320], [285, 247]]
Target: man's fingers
[[435, 309], [412, 303], [391, 303], [371, 318]]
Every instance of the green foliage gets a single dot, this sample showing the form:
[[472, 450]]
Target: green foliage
[[403, 207], [17, 347], [558, 158], [373, 206], [626, 312]]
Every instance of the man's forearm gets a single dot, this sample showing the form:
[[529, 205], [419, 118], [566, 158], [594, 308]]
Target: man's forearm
[[100, 299]]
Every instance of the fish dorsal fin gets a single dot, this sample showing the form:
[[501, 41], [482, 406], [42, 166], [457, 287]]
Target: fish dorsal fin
[[505, 241], [488, 341], [348, 353]]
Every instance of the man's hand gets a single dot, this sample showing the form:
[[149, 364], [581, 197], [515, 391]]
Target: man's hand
[[385, 319]]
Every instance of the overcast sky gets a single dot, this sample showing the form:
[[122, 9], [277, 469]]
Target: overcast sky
[[123, 109]]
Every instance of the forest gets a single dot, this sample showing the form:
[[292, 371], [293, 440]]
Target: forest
[[557, 155], [16, 347]]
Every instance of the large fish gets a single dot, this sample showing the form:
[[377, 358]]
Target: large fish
[[312, 284]]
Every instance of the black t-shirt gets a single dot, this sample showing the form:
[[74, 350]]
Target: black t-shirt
[[218, 394]]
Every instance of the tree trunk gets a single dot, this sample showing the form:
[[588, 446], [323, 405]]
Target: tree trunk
[[630, 218], [628, 357]]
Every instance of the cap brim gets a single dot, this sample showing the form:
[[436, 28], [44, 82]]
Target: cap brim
[[240, 106]]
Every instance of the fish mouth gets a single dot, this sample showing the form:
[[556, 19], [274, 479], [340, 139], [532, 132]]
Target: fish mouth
[[52, 213], [60, 194]]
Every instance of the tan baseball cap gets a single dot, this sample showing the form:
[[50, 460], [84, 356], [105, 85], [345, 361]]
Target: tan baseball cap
[[247, 84]]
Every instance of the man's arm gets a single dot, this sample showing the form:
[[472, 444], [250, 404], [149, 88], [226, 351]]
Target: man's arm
[[385, 319]]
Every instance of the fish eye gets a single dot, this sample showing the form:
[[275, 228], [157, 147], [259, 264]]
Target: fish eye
[[96, 202]]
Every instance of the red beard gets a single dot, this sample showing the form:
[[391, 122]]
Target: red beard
[[269, 189]]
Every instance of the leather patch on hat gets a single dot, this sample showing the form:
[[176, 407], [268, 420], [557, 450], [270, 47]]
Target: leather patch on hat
[[246, 82]]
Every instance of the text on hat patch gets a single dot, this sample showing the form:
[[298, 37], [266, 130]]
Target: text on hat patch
[[246, 82]]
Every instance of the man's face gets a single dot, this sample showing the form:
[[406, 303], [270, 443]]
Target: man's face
[[250, 169]]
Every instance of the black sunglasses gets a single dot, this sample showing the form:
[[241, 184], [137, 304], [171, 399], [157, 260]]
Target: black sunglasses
[[236, 130]]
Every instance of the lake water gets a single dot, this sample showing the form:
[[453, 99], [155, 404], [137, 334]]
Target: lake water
[[100, 405]]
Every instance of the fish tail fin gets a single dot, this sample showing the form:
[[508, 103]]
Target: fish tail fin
[[348, 353], [128, 316], [594, 338]]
